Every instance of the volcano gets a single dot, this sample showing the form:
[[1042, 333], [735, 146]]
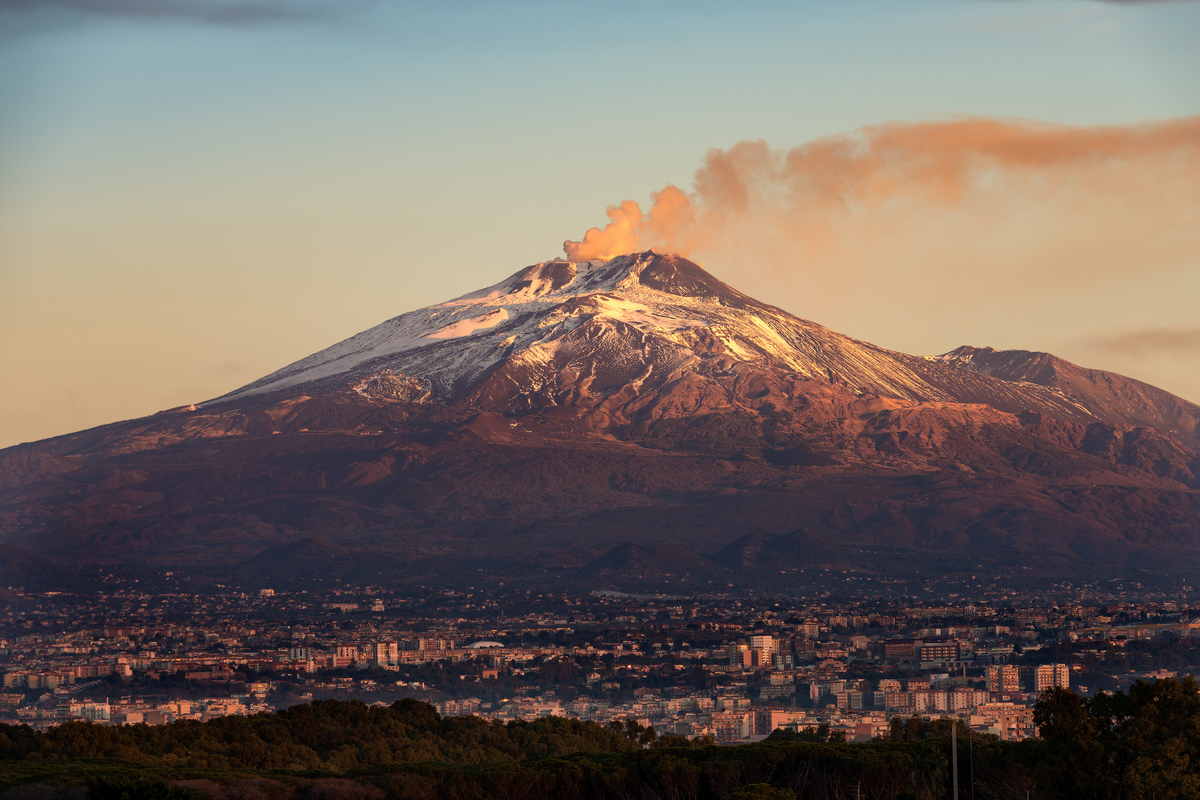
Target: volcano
[[634, 419]]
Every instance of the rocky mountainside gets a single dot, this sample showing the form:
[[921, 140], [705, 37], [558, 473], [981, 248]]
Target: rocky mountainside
[[629, 420]]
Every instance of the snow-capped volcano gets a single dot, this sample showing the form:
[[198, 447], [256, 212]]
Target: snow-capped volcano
[[617, 414]]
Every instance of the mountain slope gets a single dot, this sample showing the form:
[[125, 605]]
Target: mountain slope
[[1133, 401], [585, 420]]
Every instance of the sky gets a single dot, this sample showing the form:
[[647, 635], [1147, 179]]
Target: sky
[[196, 192]]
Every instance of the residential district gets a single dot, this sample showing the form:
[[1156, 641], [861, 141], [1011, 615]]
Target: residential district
[[733, 667]]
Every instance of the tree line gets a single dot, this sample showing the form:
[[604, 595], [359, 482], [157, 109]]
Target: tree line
[[1143, 744]]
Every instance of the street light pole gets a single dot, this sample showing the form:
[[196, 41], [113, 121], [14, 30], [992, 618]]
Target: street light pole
[[954, 754]]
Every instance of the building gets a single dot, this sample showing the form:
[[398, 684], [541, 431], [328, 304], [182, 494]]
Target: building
[[344, 656], [938, 652], [1009, 721], [1051, 676], [851, 700], [763, 649], [1003, 679], [900, 649], [898, 701], [435, 644], [386, 653], [768, 720], [92, 712], [730, 726], [965, 697], [740, 655], [809, 629]]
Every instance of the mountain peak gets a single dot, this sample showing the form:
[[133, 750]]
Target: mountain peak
[[661, 272], [674, 274], [1017, 365], [452, 343]]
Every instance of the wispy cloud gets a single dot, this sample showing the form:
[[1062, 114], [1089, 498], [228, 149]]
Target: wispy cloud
[[233, 13], [1155, 341]]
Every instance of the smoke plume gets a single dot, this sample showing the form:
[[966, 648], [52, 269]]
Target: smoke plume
[[811, 197]]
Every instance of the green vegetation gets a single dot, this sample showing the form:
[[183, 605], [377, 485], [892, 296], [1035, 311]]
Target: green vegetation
[[1142, 745]]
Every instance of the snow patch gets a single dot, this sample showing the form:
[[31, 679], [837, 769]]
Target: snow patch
[[470, 325]]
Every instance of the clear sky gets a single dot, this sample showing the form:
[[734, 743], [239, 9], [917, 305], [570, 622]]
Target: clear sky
[[195, 192]]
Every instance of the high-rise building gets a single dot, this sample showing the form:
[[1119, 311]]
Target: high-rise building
[[764, 648], [740, 655], [850, 699], [730, 726], [1062, 676], [1003, 678], [344, 655], [387, 653], [898, 701], [965, 697], [1051, 676]]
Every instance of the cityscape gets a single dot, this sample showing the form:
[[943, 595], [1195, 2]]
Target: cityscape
[[732, 668]]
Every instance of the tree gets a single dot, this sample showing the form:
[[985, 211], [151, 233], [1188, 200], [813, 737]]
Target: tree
[[762, 791]]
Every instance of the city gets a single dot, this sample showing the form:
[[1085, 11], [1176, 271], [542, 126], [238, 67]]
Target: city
[[727, 668]]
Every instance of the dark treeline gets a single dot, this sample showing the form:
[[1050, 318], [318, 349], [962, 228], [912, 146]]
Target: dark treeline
[[1140, 745]]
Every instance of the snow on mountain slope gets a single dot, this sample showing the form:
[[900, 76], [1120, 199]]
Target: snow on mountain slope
[[640, 314]]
